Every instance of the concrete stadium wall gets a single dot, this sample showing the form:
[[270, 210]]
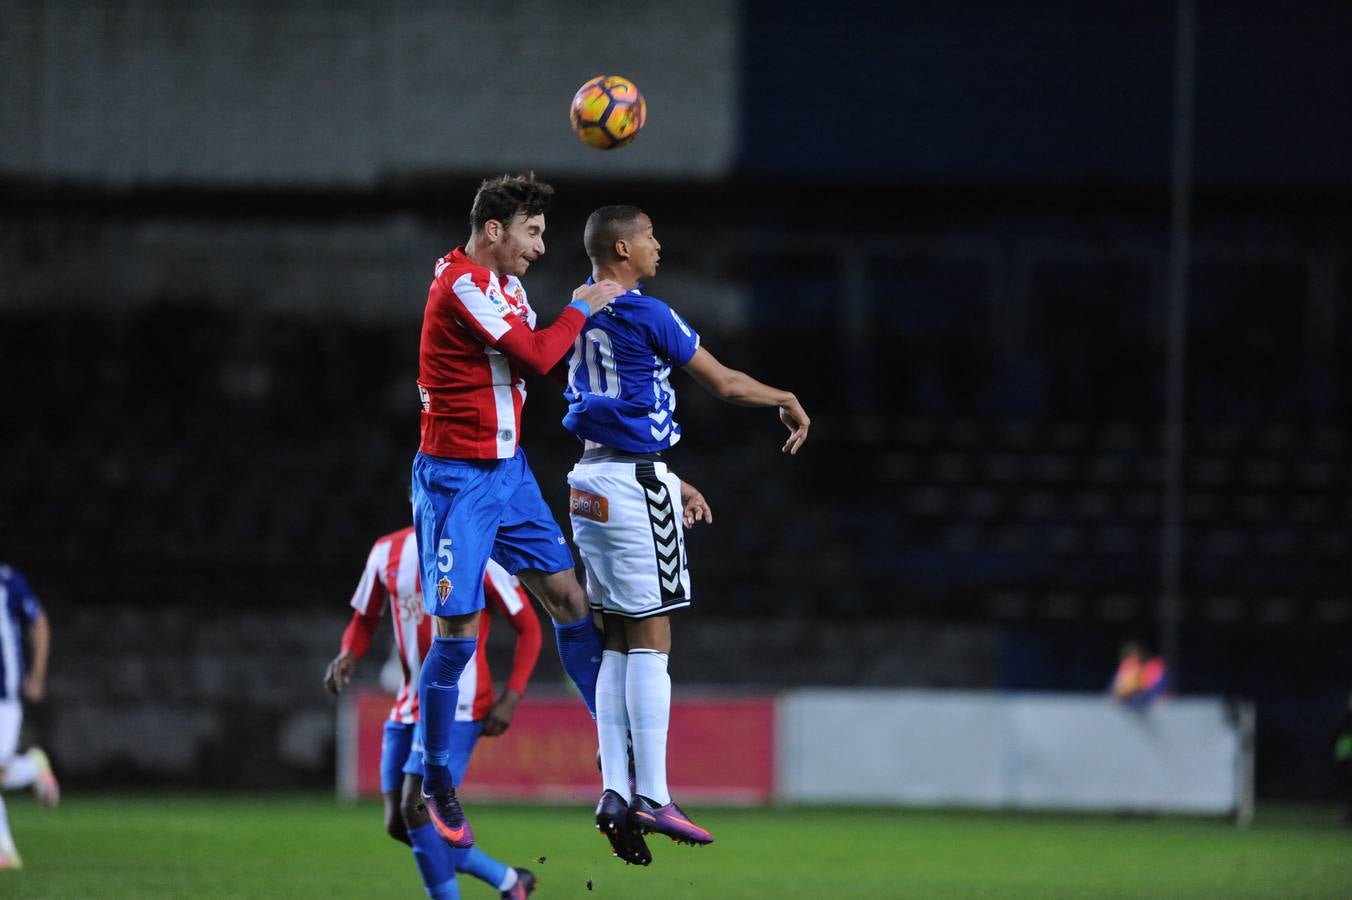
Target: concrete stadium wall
[[991, 750]]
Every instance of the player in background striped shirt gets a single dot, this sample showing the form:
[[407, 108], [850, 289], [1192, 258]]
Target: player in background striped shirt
[[21, 616], [474, 495], [390, 581]]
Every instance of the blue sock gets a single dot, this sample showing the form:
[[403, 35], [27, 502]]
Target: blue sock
[[438, 693], [436, 864], [479, 864], [580, 652]]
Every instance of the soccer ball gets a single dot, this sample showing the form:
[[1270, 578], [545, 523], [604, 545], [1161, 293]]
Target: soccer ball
[[608, 111]]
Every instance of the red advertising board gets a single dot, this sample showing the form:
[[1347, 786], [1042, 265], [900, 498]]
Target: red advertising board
[[720, 749]]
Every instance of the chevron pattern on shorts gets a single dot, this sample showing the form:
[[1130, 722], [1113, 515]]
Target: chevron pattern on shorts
[[666, 538]]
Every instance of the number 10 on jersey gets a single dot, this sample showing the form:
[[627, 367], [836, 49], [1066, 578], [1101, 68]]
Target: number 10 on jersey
[[593, 345]]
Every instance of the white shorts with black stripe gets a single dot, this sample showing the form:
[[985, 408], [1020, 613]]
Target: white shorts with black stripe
[[627, 524]]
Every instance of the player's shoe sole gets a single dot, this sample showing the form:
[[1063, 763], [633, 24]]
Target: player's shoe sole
[[46, 788], [524, 887], [669, 820], [449, 819], [612, 820]]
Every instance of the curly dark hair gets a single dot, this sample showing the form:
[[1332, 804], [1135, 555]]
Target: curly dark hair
[[503, 197]]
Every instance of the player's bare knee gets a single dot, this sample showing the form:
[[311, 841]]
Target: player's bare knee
[[616, 637], [458, 626], [652, 633], [412, 808], [414, 814], [571, 606], [395, 828], [559, 593], [394, 819]]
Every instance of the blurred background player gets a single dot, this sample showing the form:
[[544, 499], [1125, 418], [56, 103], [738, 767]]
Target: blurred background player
[[623, 507], [21, 615], [1141, 678], [390, 580], [474, 495]]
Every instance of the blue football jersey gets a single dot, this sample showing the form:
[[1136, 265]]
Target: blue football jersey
[[18, 609], [618, 390]]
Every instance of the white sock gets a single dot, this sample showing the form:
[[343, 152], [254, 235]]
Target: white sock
[[508, 881], [20, 773], [647, 694], [6, 842], [612, 722]]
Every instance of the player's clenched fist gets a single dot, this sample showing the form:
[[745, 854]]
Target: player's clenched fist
[[339, 672]]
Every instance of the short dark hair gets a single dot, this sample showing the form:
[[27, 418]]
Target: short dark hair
[[606, 226], [503, 197]]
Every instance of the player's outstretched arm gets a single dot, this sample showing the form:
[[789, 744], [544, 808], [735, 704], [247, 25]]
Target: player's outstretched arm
[[732, 386], [694, 508]]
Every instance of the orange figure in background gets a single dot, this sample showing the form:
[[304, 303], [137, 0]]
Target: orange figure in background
[[1141, 678]]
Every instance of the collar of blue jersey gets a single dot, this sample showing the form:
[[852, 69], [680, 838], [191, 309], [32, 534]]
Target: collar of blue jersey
[[637, 289]]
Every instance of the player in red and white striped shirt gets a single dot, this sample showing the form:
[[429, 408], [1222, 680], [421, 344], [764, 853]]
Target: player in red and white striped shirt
[[391, 581], [474, 495]]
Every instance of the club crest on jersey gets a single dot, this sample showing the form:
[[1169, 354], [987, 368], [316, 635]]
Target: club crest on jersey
[[588, 505], [443, 588]]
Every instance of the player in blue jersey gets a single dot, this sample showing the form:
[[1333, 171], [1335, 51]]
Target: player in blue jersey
[[626, 523], [21, 615]]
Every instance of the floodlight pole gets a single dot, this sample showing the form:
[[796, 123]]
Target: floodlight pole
[[1180, 197]]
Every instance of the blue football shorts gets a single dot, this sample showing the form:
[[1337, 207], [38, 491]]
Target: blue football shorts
[[398, 760], [466, 510]]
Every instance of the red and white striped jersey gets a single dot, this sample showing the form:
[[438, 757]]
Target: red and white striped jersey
[[477, 334], [391, 579]]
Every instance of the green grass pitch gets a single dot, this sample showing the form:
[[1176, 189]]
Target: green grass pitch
[[297, 846]]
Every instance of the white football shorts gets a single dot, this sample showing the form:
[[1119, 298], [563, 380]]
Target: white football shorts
[[627, 525], [11, 720]]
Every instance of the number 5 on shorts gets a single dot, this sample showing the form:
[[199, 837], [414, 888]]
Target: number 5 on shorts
[[444, 557]]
